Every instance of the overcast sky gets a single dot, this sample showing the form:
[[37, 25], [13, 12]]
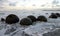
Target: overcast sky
[[25, 4]]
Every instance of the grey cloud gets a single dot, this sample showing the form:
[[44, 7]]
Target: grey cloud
[[3, 0], [12, 4], [8, 3]]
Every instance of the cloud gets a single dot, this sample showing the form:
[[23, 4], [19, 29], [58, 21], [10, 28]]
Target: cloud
[[7, 3], [12, 4], [24, 3], [2, 1]]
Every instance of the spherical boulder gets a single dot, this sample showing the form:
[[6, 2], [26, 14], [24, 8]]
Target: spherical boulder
[[33, 18], [42, 19], [26, 21], [53, 16], [58, 15], [2, 19], [12, 18]]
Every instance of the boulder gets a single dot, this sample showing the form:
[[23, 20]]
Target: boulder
[[42, 19], [53, 16], [2, 19], [26, 21], [33, 18], [10, 19], [58, 15]]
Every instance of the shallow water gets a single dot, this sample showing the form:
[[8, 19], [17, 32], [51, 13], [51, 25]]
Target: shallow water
[[36, 30]]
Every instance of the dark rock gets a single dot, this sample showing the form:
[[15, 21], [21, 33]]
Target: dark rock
[[26, 21], [2, 19], [53, 16], [58, 14], [42, 19], [54, 33], [10, 19], [8, 31], [33, 18], [24, 34]]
